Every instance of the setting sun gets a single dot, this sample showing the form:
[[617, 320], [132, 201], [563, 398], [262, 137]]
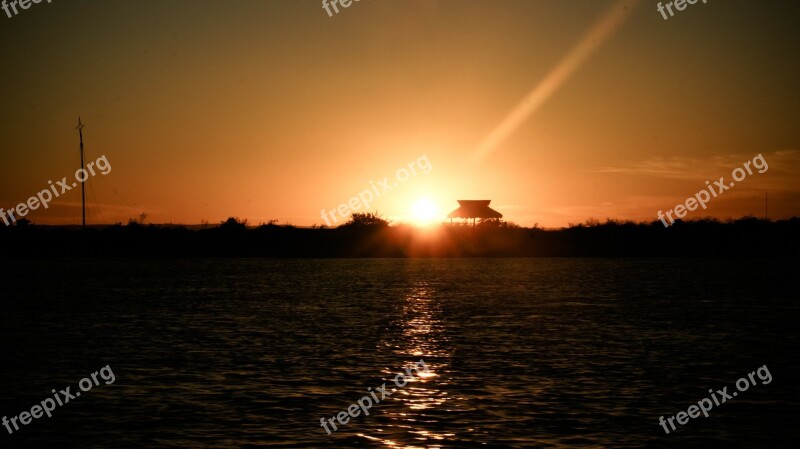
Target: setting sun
[[424, 212]]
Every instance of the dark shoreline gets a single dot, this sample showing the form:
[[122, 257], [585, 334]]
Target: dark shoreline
[[745, 237]]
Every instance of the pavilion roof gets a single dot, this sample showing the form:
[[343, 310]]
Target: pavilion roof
[[474, 209]]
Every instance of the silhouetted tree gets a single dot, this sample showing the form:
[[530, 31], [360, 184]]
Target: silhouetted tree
[[366, 219], [233, 224]]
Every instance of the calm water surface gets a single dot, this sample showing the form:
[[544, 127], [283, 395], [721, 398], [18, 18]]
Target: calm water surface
[[540, 353]]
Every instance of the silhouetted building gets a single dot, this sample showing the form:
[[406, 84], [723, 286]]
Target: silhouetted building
[[474, 209]]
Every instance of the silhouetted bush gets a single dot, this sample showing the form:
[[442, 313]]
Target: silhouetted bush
[[369, 235]]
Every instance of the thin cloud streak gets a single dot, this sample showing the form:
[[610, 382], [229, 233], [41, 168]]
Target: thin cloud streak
[[608, 24], [691, 169]]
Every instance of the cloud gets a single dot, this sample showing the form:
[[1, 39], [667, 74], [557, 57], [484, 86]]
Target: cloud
[[781, 163]]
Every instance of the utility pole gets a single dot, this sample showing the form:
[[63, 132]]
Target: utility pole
[[766, 205], [83, 187]]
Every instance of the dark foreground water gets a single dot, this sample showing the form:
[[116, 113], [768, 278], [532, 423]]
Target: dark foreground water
[[522, 353]]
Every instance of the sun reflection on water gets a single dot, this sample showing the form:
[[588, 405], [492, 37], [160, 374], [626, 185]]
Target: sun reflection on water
[[412, 419]]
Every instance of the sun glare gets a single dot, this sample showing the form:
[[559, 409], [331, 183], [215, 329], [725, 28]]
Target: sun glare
[[424, 212]]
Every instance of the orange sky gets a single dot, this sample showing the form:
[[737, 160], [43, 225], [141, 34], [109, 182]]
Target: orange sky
[[274, 110]]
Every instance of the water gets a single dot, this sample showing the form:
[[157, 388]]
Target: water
[[548, 353]]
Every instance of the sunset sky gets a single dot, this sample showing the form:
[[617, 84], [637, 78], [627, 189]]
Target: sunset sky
[[272, 110]]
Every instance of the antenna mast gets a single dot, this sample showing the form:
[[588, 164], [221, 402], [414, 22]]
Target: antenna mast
[[83, 187]]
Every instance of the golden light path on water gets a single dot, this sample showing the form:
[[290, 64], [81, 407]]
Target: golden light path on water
[[597, 35], [422, 338]]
